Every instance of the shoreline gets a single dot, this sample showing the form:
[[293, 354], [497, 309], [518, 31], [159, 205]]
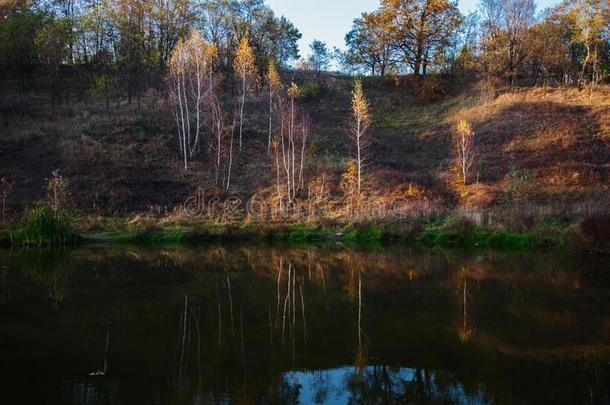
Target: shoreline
[[363, 235]]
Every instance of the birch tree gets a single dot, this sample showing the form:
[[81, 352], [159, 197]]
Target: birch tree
[[274, 85], [590, 19], [464, 150], [191, 83], [245, 70], [290, 147], [359, 126]]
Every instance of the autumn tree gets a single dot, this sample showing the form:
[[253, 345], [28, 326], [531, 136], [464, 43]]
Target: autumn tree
[[245, 70], [464, 150], [224, 22], [550, 49], [191, 82], [290, 146], [274, 85], [507, 29], [590, 35], [371, 43], [422, 28], [361, 120]]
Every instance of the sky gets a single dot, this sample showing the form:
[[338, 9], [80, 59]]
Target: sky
[[330, 20]]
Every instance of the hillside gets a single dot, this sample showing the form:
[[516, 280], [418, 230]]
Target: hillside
[[546, 146]]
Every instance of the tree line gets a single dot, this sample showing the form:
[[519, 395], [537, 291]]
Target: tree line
[[503, 41], [116, 49], [113, 49]]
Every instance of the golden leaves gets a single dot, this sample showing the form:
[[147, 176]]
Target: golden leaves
[[273, 76], [245, 60], [193, 53], [360, 107]]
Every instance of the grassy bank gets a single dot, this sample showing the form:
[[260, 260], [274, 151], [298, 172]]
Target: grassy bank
[[446, 232], [43, 226], [299, 234], [40, 227]]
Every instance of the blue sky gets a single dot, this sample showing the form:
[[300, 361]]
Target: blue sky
[[330, 20]]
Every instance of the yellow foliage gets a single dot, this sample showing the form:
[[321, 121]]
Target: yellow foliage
[[245, 61], [360, 107], [273, 76], [465, 151], [194, 53], [349, 182], [413, 192], [464, 129], [294, 90]]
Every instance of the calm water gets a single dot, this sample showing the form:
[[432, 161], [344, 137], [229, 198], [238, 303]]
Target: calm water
[[275, 325]]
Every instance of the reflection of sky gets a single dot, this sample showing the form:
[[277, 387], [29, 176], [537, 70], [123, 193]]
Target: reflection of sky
[[337, 386]]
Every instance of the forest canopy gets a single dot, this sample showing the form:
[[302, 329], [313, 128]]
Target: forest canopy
[[504, 40], [113, 48]]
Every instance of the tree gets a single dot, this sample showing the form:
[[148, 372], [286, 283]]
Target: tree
[[506, 31], [550, 49], [274, 84], [371, 43], [136, 53], [18, 27], [191, 81], [171, 20], [52, 43], [290, 146], [245, 70], [464, 150], [58, 192], [360, 124], [286, 41], [422, 28], [591, 26], [320, 57]]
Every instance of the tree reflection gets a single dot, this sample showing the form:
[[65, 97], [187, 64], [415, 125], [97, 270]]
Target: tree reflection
[[277, 325], [465, 331]]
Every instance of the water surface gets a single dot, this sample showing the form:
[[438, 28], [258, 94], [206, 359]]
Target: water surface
[[275, 325]]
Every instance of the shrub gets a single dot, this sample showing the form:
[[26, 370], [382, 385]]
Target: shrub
[[517, 183], [309, 91], [44, 226], [58, 191]]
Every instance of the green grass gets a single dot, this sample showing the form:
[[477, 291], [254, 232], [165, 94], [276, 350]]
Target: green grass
[[482, 238], [156, 236], [446, 233], [43, 226], [365, 235]]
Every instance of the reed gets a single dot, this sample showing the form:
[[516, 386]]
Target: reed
[[44, 226]]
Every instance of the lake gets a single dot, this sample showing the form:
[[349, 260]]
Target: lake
[[278, 324]]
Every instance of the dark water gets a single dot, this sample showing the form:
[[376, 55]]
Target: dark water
[[277, 325]]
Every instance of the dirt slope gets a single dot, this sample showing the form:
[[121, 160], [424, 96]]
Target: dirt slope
[[556, 142]]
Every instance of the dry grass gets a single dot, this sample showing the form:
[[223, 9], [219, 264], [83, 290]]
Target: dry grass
[[126, 160]]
